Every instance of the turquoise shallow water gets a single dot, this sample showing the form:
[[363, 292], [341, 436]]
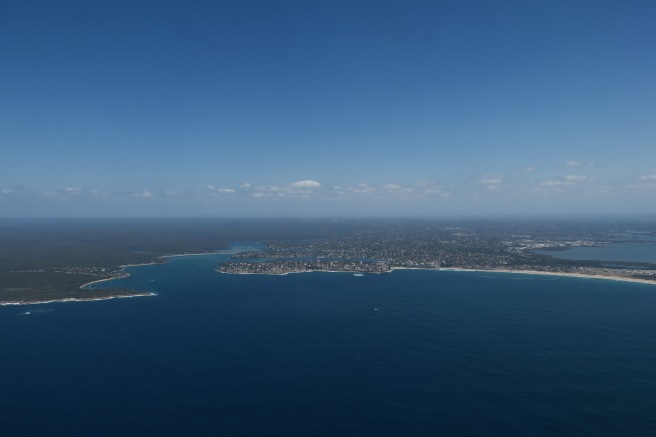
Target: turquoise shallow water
[[404, 353]]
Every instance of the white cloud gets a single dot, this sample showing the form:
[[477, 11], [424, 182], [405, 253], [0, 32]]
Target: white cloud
[[67, 193], [220, 190], [305, 184], [143, 194], [430, 188], [299, 189], [554, 183], [567, 180], [529, 170], [648, 177], [361, 188], [400, 189], [98, 193], [491, 181], [571, 182], [572, 163], [391, 189]]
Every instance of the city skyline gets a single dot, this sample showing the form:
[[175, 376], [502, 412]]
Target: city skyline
[[327, 108]]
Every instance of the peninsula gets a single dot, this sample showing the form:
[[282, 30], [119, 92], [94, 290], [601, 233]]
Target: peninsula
[[483, 246], [50, 260]]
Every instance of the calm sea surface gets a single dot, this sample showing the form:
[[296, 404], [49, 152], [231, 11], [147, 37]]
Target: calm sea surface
[[409, 353]]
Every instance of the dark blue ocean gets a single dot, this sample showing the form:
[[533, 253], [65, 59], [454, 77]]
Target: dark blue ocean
[[409, 353]]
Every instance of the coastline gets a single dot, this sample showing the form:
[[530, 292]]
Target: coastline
[[455, 269], [92, 299], [126, 275], [293, 273], [564, 274], [81, 299], [610, 277], [153, 263], [221, 252], [122, 276]]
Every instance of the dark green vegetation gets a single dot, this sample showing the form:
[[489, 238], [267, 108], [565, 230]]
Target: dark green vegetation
[[37, 244], [46, 259], [45, 286]]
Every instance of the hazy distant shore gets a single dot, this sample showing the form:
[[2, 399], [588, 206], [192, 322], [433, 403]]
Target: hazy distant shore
[[220, 252]]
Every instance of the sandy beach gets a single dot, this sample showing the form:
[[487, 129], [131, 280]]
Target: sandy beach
[[125, 275], [516, 272], [564, 274], [84, 299]]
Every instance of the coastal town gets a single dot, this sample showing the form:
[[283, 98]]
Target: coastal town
[[50, 268], [459, 248]]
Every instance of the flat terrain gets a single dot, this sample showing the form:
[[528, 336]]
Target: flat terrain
[[42, 260], [50, 259]]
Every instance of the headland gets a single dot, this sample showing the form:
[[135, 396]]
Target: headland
[[58, 261]]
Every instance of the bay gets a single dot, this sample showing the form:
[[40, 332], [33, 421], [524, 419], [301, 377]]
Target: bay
[[404, 353], [644, 252]]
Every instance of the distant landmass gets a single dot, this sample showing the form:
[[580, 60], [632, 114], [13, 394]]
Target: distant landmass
[[44, 260]]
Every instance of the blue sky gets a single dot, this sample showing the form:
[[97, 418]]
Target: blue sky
[[311, 108]]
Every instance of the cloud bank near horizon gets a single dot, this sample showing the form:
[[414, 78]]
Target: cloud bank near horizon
[[491, 193]]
